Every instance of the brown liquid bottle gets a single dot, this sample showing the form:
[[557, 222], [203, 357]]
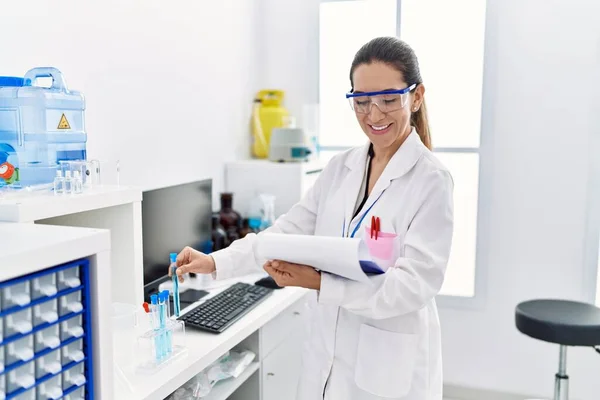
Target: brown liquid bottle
[[230, 219], [219, 237]]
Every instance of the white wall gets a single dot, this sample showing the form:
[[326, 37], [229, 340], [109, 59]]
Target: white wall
[[541, 77], [541, 74], [169, 85], [289, 37]]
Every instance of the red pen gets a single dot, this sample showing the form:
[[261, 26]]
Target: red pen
[[375, 226]]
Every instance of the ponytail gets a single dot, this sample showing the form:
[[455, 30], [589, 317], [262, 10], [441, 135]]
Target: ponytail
[[419, 120]]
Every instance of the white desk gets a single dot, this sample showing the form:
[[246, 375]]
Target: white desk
[[272, 330]]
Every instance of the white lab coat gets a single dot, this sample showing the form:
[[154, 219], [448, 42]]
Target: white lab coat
[[379, 341]]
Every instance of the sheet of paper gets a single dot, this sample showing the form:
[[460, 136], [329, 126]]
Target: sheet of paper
[[335, 255]]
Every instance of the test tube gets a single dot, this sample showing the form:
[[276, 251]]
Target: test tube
[[176, 304], [162, 305], [154, 319], [168, 335]]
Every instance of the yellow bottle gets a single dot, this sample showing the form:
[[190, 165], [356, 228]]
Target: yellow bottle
[[268, 113]]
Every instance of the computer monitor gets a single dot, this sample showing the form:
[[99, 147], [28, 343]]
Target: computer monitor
[[172, 218]]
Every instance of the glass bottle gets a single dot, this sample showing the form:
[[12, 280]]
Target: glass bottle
[[219, 237], [245, 228], [230, 219]]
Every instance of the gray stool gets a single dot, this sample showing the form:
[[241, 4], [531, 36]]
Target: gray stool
[[567, 323]]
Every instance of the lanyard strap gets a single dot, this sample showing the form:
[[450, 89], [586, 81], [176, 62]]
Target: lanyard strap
[[361, 218]]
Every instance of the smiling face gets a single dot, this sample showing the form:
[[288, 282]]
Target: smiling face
[[389, 129]]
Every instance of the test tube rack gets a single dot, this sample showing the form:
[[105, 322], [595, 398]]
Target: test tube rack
[[152, 346], [46, 335]]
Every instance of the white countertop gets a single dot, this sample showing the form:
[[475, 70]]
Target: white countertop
[[33, 206], [205, 348], [27, 248]]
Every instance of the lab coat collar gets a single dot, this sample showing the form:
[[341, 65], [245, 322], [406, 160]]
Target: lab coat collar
[[401, 163]]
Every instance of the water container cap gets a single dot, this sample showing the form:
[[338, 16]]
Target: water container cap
[[13, 81], [173, 257]]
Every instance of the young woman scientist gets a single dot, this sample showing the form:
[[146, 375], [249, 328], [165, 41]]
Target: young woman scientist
[[378, 341]]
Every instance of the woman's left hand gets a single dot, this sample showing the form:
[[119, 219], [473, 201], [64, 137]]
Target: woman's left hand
[[289, 274]]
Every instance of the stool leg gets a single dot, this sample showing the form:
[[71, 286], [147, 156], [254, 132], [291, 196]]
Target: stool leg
[[561, 382]]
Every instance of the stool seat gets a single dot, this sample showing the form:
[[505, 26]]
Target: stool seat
[[564, 322]]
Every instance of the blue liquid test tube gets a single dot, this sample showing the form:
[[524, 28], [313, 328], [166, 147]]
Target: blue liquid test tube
[[168, 331], [176, 303], [162, 313], [155, 325]]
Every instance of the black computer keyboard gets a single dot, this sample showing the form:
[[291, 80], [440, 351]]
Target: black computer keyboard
[[220, 312]]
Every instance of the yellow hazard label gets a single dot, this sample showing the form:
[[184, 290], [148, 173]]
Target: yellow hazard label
[[63, 123]]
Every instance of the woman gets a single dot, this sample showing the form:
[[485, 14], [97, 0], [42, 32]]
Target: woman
[[378, 340]]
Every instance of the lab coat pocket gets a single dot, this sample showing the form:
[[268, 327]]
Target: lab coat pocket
[[385, 362], [382, 248]]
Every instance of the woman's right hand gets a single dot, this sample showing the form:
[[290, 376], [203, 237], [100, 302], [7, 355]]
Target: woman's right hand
[[190, 260]]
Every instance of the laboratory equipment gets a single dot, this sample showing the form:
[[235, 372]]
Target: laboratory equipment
[[39, 126], [37, 361], [176, 304], [268, 113], [288, 145], [220, 312]]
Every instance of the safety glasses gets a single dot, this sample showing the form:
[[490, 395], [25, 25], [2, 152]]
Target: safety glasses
[[386, 101]]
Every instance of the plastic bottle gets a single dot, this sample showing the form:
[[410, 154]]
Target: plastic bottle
[[68, 188], [77, 182], [268, 217], [59, 183]]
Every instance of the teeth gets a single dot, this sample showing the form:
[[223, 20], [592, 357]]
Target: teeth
[[380, 128]]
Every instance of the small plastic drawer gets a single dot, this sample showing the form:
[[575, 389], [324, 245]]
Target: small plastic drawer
[[72, 328], [47, 338], [19, 350], [22, 377], [73, 352], [43, 286], [78, 394], [68, 278], [16, 294], [2, 364], [74, 376], [2, 386], [70, 303], [28, 395], [19, 322], [45, 313], [48, 364], [50, 389]]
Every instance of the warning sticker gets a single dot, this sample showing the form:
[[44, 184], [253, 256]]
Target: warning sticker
[[63, 123]]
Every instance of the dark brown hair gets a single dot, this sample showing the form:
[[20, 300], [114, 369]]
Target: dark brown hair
[[399, 55]]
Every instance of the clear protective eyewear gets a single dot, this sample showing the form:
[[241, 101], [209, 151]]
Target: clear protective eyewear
[[386, 101]]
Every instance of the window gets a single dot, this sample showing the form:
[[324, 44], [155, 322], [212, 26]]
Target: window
[[448, 37]]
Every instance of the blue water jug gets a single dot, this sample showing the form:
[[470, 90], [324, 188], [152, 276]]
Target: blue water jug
[[39, 127]]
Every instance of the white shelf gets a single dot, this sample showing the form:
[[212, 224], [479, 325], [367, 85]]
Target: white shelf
[[37, 206], [27, 248], [224, 389], [306, 166]]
